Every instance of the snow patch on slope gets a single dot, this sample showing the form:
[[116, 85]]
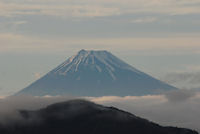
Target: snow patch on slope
[[88, 58]]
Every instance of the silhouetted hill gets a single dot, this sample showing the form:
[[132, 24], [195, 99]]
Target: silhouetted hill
[[83, 117]]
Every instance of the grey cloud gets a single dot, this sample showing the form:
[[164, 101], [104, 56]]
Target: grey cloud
[[98, 7], [10, 106], [188, 79], [185, 76], [180, 95], [44, 19], [126, 25]]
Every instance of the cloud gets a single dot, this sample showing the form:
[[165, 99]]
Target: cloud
[[89, 8], [180, 95], [12, 9], [194, 68], [11, 25], [21, 43], [152, 99], [185, 79], [10, 105], [145, 20], [19, 22], [37, 75], [104, 19]]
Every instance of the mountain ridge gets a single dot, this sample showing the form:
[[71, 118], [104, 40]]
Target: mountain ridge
[[96, 73], [83, 117]]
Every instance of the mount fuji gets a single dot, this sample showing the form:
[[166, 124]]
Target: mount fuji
[[95, 73]]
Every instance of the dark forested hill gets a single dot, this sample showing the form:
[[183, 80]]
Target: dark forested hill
[[83, 117]]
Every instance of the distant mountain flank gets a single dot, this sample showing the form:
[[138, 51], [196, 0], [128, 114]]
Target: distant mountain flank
[[95, 73], [83, 117]]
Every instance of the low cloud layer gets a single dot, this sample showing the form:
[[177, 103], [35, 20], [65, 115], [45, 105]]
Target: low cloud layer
[[179, 108]]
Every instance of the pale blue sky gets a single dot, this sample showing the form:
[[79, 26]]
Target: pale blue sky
[[160, 37]]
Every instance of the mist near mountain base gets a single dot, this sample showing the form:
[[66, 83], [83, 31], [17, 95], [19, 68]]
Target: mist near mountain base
[[177, 108]]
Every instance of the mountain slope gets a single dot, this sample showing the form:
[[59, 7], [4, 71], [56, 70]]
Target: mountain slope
[[96, 73], [82, 117]]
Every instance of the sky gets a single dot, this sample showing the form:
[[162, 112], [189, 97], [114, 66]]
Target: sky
[[159, 37]]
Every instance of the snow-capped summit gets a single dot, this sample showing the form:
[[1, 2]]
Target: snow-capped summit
[[95, 60], [95, 73]]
